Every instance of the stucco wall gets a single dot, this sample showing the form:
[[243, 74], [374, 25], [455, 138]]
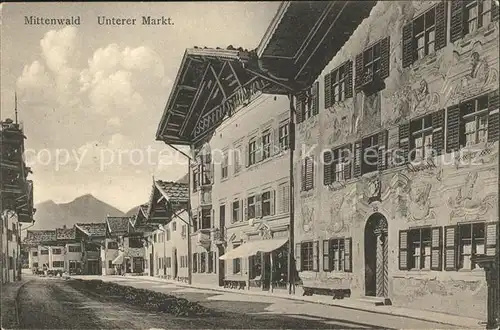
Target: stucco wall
[[108, 255], [342, 210]]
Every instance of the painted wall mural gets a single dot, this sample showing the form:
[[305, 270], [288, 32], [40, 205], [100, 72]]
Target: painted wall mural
[[307, 215]]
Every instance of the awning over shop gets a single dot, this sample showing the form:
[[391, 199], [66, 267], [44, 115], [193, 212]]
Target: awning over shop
[[119, 260], [253, 247]]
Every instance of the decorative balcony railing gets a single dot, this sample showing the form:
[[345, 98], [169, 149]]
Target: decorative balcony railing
[[203, 238]]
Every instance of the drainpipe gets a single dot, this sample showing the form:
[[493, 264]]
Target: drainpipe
[[291, 245]]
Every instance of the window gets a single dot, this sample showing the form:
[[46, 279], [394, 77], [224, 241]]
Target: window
[[372, 66], [169, 262], [369, 153], [424, 31], [337, 165], [167, 232], [203, 262], [112, 245], [236, 262], [135, 242], [196, 179], [307, 103], [73, 264], [222, 219], [251, 207], [110, 263], [195, 262], [420, 246], [9, 234], [283, 136], [284, 191], [471, 242], [11, 262], [307, 256], [206, 219], [35, 265], [195, 223], [236, 211], [155, 238], [237, 159], [421, 138], [339, 79], [34, 253], [183, 232], [58, 264], [210, 262], [336, 255], [174, 226], [205, 173], [266, 144], [74, 248], [307, 173], [224, 171], [267, 203], [475, 116], [56, 251], [468, 16], [371, 61], [252, 152], [45, 252]]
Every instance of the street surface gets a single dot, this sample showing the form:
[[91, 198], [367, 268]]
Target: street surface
[[50, 303]]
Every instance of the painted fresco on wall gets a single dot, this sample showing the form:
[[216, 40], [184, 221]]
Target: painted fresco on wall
[[340, 123], [307, 218], [369, 120]]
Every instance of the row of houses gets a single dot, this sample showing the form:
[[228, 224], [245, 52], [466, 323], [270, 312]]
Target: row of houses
[[353, 152], [16, 198]]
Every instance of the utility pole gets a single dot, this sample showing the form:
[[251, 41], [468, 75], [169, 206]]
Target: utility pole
[[291, 245]]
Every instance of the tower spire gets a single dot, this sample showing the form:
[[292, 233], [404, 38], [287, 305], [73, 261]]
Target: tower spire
[[15, 105]]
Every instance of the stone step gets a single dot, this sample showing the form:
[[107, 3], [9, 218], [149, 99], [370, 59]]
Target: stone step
[[376, 301]]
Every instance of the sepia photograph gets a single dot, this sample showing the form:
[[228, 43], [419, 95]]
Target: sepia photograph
[[250, 165]]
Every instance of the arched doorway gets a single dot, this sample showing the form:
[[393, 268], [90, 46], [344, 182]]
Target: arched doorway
[[376, 255]]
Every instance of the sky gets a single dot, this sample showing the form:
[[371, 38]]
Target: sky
[[90, 96]]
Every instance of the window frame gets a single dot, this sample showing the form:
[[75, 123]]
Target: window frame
[[424, 33], [284, 135], [424, 132], [266, 201], [476, 114], [307, 256], [224, 166], [339, 77], [266, 146], [365, 167], [251, 206], [473, 244], [252, 152]]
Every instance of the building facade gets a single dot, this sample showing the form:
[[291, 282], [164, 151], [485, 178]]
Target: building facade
[[397, 173]]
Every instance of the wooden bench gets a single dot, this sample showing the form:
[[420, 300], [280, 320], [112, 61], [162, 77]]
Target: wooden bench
[[234, 283], [336, 293]]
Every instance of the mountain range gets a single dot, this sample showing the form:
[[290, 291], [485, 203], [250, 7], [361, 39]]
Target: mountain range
[[83, 209]]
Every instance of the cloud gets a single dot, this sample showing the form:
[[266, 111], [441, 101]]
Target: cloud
[[58, 47]]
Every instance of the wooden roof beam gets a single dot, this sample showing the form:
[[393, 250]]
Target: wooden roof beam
[[216, 76], [235, 75]]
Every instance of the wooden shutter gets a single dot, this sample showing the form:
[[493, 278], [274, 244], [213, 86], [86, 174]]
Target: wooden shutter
[[258, 206], [241, 210], [494, 11], [327, 167], [298, 262], [327, 267], [212, 173], [245, 211], [275, 142], [408, 53], [348, 83], [291, 136], [457, 20], [357, 159], [299, 107], [273, 202], [436, 248], [385, 56], [404, 143], [309, 173], [303, 175], [441, 14], [347, 150], [246, 150], [315, 98], [453, 129], [258, 153], [490, 238], [328, 90], [316, 256], [382, 147], [450, 247], [359, 71], [348, 255], [403, 250], [438, 131], [493, 118]]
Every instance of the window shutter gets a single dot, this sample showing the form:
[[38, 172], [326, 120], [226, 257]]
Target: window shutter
[[437, 248], [327, 167], [315, 98], [327, 267], [450, 243], [408, 52], [245, 212], [309, 173], [493, 122], [258, 154], [247, 158], [491, 238], [357, 159], [385, 56], [403, 250], [382, 147], [347, 150], [275, 142], [359, 71], [303, 175], [348, 83], [328, 90], [212, 171], [348, 255], [316, 256], [457, 20], [494, 11], [453, 133], [440, 25], [258, 206], [273, 202], [404, 142], [438, 131], [298, 263], [291, 136], [287, 198], [299, 107], [241, 210]]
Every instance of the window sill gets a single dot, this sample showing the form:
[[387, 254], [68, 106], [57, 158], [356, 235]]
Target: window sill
[[224, 179]]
